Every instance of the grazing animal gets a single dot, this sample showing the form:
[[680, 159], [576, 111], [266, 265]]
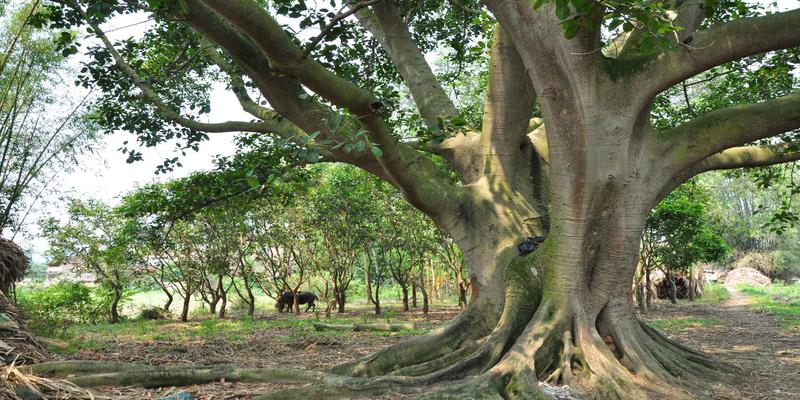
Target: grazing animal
[[287, 300]]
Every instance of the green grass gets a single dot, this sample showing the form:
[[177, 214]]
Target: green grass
[[778, 300], [286, 329], [714, 293], [684, 323]]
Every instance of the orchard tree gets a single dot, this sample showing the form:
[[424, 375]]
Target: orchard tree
[[679, 233], [567, 148], [99, 241]]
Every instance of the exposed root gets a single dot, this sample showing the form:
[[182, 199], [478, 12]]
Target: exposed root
[[569, 354], [471, 344], [87, 374], [475, 322], [686, 362], [384, 327]]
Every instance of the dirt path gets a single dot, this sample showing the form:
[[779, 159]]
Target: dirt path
[[753, 341]]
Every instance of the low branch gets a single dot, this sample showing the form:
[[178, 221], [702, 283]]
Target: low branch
[[735, 126], [748, 157]]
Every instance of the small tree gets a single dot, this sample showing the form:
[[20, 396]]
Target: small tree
[[97, 238], [679, 233]]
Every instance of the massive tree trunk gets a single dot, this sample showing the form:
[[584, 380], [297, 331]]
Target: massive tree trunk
[[565, 313]]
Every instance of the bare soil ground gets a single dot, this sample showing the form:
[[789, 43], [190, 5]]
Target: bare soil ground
[[768, 354], [261, 348]]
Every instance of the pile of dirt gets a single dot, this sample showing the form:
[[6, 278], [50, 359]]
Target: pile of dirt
[[747, 276], [755, 260]]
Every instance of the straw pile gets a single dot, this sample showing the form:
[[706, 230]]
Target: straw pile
[[13, 264], [19, 347]]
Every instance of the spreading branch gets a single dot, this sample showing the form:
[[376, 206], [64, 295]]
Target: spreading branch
[[172, 115], [415, 175], [559, 66], [286, 56], [722, 43], [386, 24], [737, 157], [716, 131], [748, 157], [332, 24], [509, 104]]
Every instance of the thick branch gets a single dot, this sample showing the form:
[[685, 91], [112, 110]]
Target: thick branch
[[735, 126], [509, 104], [563, 68], [254, 21], [287, 97], [419, 179], [688, 16], [747, 157], [720, 44], [737, 157], [387, 26]]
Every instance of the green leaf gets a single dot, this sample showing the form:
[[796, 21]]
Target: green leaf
[[538, 4], [335, 122], [376, 151], [627, 27], [571, 28], [562, 11], [312, 156], [183, 7], [253, 182]]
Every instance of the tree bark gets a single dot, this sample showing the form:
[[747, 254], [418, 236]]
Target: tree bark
[[187, 299], [413, 296], [404, 289], [648, 288], [673, 291], [462, 294], [170, 298], [340, 301], [115, 305]]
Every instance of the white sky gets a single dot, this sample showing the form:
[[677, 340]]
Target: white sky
[[106, 176]]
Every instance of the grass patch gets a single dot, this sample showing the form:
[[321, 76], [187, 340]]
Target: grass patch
[[778, 300], [288, 329], [684, 323], [714, 293]]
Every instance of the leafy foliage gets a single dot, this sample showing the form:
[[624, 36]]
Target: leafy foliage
[[679, 232], [55, 307]]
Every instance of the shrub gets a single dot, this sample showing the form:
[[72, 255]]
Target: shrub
[[58, 306], [153, 313]]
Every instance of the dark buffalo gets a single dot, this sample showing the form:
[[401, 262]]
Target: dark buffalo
[[287, 300]]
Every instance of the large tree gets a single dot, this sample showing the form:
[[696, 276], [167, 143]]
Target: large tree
[[566, 148]]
